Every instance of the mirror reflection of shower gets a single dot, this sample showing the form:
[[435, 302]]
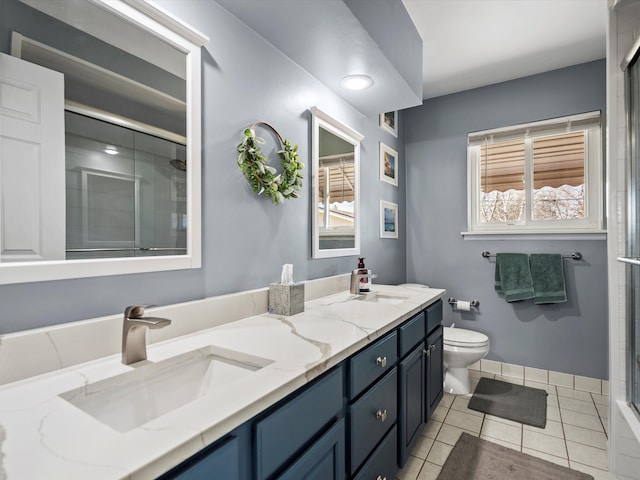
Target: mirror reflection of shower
[[125, 191], [178, 158]]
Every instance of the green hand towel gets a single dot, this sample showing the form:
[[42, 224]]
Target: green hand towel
[[547, 273], [513, 277]]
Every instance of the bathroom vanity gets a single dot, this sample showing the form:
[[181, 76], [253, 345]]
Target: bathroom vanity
[[338, 391]]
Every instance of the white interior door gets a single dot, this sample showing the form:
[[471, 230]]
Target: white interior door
[[32, 165]]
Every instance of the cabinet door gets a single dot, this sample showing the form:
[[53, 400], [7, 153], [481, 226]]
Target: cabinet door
[[289, 428], [371, 417], [220, 462], [434, 370], [325, 460], [411, 414]]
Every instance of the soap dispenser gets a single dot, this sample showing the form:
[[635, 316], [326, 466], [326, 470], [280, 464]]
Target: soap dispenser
[[364, 281]]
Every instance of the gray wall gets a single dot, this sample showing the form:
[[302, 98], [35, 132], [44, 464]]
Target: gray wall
[[569, 337], [246, 239]]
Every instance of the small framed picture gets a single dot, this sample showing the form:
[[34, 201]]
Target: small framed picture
[[389, 121], [388, 219], [388, 164]]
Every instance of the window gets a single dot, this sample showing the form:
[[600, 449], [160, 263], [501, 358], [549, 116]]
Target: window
[[537, 178]]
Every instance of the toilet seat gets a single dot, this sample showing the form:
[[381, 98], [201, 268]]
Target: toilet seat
[[414, 286], [460, 337]]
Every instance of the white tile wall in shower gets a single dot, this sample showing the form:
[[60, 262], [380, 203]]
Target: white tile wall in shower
[[623, 25]]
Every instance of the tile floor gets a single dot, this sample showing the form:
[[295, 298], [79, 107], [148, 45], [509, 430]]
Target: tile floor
[[575, 435]]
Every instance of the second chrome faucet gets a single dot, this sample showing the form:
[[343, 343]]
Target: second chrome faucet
[[134, 329]]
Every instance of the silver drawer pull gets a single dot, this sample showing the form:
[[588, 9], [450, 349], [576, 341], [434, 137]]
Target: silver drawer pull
[[380, 477], [432, 347], [381, 415], [426, 352], [382, 361]]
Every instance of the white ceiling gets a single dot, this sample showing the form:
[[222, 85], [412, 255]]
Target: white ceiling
[[472, 43]]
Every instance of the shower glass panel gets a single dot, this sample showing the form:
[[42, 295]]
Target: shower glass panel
[[633, 237], [125, 191]]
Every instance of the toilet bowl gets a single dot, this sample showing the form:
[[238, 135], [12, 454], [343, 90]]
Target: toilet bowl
[[461, 348]]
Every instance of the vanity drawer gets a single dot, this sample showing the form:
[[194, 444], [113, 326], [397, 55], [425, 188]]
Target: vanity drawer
[[383, 464], [434, 315], [371, 363], [371, 417], [412, 333], [293, 425]]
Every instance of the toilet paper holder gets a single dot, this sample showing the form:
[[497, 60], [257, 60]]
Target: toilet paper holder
[[454, 303]]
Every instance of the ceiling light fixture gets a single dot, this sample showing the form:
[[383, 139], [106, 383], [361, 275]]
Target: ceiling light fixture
[[356, 82], [111, 150]]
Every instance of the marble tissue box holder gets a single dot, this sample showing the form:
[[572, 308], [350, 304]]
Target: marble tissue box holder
[[286, 299]]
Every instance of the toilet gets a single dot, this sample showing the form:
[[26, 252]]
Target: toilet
[[461, 348]]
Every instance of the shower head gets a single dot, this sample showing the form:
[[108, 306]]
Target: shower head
[[179, 164]]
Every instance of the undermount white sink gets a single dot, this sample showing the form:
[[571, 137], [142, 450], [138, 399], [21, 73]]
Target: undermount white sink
[[382, 297], [134, 398]]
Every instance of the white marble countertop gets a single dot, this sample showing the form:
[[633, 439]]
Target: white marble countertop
[[42, 435]]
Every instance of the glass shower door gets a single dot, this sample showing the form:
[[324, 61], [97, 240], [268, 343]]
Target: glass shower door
[[632, 258]]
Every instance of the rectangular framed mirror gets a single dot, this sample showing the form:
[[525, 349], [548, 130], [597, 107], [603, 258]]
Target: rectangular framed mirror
[[336, 187], [103, 137]]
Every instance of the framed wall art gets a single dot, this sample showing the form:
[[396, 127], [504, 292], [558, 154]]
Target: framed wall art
[[389, 122], [388, 219], [388, 164]]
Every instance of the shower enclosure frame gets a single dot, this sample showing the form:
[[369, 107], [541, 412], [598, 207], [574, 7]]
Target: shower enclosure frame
[[631, 68]]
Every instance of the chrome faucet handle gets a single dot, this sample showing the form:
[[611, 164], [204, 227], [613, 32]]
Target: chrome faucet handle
[[135, 311]]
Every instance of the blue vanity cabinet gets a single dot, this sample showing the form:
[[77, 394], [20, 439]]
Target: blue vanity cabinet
[[220, 461], [371, 417], [373, 403], [412, 392], [411, 333], [382, 464], [369, 364], [434, 315], [434, 370], [325, 460], [290, 431], [358, 421], [412, 387], [434, 366]]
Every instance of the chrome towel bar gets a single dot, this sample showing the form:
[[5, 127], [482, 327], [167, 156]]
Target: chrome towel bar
[[574, 255]]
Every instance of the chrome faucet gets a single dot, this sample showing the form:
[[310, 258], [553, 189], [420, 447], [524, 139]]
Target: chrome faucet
[[134, 329], [354, 288]]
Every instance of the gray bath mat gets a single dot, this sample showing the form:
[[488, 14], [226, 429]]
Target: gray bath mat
[[475, 459], [514, 402]]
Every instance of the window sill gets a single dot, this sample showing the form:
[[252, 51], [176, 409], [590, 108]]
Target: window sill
[[536, 235]]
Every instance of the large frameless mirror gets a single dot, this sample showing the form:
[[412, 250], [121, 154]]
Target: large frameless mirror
[[336, 187], [99, 140]]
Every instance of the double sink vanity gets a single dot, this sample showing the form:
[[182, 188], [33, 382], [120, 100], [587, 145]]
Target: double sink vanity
[[342, 388]]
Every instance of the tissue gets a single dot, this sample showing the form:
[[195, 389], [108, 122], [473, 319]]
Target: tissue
[[287, 274], [463, 306]]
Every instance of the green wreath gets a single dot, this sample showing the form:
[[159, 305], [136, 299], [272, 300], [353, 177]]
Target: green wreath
[[264, 178]]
